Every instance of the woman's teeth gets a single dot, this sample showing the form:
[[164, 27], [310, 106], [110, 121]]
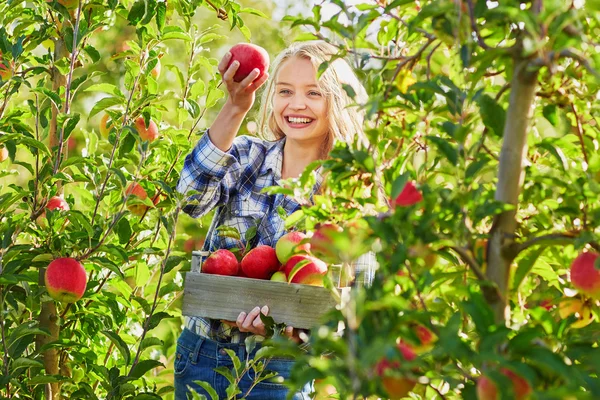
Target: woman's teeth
[[294, 120]]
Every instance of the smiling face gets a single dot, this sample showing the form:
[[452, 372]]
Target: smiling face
[[299, 106]]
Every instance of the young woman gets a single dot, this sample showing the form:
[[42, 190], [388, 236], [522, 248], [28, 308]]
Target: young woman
[[305, 115]]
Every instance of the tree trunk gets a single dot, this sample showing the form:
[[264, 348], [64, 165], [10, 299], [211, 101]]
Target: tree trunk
[[49, 317], [49, 320], [510, 181]]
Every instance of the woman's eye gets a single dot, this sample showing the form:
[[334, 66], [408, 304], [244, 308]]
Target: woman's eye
[[315, 93], [284, 91]]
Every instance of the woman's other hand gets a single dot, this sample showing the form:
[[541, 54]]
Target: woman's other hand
[[251, 322]]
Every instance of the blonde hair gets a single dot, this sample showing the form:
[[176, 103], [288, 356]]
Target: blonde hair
[[345, 118]]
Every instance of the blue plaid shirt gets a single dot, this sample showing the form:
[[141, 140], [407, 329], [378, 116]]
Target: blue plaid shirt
[[232, 182]]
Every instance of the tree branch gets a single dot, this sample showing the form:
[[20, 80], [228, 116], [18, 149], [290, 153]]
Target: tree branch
[[551, 239], [474, 27], [470, 261], [552, 56]]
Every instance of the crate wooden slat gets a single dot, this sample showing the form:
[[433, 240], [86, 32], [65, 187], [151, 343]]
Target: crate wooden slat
[[224, 297]]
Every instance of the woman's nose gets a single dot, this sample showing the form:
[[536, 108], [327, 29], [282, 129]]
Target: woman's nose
[[297, 103]]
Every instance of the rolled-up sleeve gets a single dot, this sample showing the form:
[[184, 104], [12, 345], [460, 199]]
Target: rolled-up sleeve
[[211, 174]]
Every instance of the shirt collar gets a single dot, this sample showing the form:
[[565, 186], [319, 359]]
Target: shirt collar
[[274, 162]]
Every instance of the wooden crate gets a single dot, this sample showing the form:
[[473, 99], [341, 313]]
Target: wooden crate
[[224, 297]]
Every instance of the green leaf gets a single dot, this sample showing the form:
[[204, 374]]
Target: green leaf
[[445, 148], [525, 265], [161, 15], [492, 115], [209, 389], [136, 13], [43, 379], [250, 233], [149, 342], [237, 364], [156, 318], [105, 88], [119, 344], [23, 362], [144, 366], [213, 97], [123, 230], [172, 262], [105, 103], [229, 231], [253, 11], [557, 153]]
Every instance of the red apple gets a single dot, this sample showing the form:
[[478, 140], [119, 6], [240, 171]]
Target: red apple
[[289, 244], [322, 241], [3, 154], [192, 244], [426, 337], [585, 274], [260, 262], [149, 132], [486, 388], [396, 387], [104, 126], [135, 189], [410, 195], [65, 280], [311, 273], [250, 56], [55, 203], [221, 262]]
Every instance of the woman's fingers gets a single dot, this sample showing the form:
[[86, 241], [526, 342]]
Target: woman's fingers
[[224, 63], [230, 73], [258, 83], [251, 322], [247, 81]]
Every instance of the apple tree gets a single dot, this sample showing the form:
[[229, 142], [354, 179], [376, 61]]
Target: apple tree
[[478, 193], [97, 111]]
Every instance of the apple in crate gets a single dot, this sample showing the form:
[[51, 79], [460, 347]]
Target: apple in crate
[[310, 270], [260, 262], [221, 262], [289, 244]]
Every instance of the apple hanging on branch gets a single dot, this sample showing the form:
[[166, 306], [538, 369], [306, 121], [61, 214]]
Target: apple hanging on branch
[[65, 280]]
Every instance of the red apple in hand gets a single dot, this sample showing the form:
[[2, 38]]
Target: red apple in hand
[[311, 271], [289, 244], [65, 280], [396, 387], [147, 132], [585, 274], [260, 262], [486, 388], [250, 56], [221, 262]]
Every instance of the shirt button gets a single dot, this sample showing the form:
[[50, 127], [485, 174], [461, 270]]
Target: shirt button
[[222, 352]]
